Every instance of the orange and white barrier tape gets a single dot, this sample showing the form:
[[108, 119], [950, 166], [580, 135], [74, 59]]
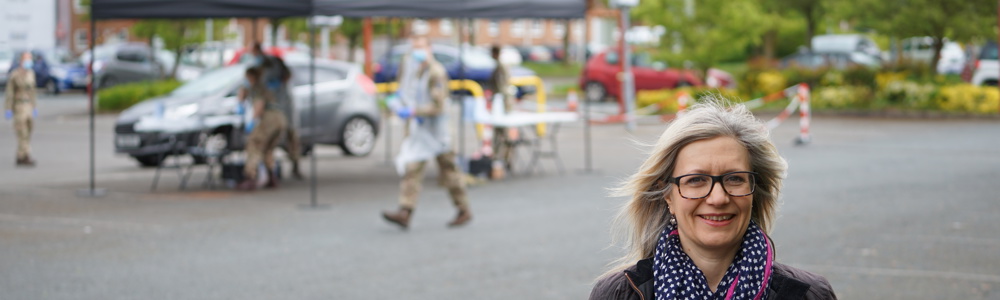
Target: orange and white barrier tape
[[800, 101]]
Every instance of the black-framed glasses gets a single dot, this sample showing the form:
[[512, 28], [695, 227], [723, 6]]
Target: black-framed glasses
[[698, 186]]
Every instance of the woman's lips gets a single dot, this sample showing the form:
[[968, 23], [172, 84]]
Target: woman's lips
[[717, 220]]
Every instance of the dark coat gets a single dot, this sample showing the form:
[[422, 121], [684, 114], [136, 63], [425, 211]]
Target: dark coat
[[787, 282]]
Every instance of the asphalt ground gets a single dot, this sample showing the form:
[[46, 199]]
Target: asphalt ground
[[884, 208]]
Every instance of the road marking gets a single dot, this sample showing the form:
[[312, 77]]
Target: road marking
[[903, 273]]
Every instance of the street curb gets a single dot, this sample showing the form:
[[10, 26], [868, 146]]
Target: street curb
[[901, 114]]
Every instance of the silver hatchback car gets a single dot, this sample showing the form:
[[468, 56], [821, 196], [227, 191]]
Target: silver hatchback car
[[205, 109]]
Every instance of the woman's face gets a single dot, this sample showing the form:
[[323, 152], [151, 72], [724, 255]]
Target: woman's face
[[716, 222]]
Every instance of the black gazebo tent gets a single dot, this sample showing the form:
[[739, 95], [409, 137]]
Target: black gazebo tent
[[174, 9]]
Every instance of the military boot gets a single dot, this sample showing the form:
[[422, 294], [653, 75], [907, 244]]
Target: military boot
[[463, 217], [272, 181], [25, 162], [295, 171], [401, 217]]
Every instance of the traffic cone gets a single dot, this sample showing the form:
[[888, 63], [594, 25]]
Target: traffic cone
[[571, 100]]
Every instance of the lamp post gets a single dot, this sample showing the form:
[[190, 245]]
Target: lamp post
[[628, 82]]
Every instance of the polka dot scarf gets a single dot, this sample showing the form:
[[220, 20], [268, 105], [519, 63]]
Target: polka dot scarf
[[676, 276]]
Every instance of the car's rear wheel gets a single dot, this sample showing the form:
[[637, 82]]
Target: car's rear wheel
[[52, 87], [358, 136], [683, 84], [108, 82], [595, 91], [151, 160]]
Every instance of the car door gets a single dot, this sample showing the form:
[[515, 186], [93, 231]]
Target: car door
[[647, 78], [607, 73], [330, 92]]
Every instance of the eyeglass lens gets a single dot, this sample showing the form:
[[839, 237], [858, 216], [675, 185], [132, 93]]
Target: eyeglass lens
[[735, 184]]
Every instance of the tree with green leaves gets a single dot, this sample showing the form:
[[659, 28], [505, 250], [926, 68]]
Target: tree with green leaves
[[960, 21], [176, 34], [353, 28], [709, 31]]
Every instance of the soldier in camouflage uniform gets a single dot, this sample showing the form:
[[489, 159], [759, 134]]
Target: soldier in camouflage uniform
[[423, 89], [499, 84], [19, 104], [268, 125], [275, 76]]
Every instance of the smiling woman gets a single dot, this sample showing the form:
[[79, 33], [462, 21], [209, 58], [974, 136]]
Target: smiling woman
[[700, 209]]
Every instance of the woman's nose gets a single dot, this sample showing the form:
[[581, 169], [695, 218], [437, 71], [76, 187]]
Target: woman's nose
[[718, 195]]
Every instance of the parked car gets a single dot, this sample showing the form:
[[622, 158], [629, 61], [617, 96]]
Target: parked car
[[124, 63], [44, 77], [600, 75], [6, 58], [283, 52], [987, 66], [539, 54], [205, 109], [921, 49], [510, 56], [813, 60], [846, 44], [478, 65]]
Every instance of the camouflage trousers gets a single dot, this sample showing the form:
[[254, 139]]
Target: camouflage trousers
[[262, 141], [451, 178], [501, 144], [23, 125], [292, 144]]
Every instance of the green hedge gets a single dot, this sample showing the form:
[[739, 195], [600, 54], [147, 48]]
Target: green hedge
[[123, 96]]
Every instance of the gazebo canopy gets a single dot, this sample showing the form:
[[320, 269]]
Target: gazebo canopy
[[132, 9]]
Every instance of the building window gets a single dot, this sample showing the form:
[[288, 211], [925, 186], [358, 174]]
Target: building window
[[444, 26], [123, 35], [536, 28], [559, 29], [493, 29], [80, 41], [578, 30], [517, 28], [420, 27]]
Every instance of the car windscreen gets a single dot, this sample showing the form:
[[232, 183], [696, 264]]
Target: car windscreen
[[989, 51], [213, 82]]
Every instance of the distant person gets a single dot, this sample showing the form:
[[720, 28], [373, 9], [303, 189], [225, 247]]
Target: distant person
[[499, 85], [423, 104], [276, 76], [700, 209], [19, 104], [268, 124]]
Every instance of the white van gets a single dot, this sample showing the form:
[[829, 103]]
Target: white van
[[851, 44]]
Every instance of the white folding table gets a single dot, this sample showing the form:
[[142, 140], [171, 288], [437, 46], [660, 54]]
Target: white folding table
[[528, 121]]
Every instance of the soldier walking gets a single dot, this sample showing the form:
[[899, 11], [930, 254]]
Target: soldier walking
[[19, 104], [422, 102]]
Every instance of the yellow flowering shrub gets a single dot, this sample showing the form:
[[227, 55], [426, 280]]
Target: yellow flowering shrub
[[968, 98], [841, 97], [768, 82]]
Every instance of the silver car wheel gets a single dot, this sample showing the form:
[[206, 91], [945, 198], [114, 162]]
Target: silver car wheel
[[595, 92], [358, 138]]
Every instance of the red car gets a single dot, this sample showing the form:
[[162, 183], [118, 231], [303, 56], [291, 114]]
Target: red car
[[600, 76], [241, 57]]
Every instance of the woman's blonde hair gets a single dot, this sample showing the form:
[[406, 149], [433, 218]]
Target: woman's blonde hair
[[641, 220]]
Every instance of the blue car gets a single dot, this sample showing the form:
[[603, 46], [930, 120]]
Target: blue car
[[72, 76], [478, 65], [44, 77]]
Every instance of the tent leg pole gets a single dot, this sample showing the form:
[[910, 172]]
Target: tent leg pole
[[92, 191], [312, 117]]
